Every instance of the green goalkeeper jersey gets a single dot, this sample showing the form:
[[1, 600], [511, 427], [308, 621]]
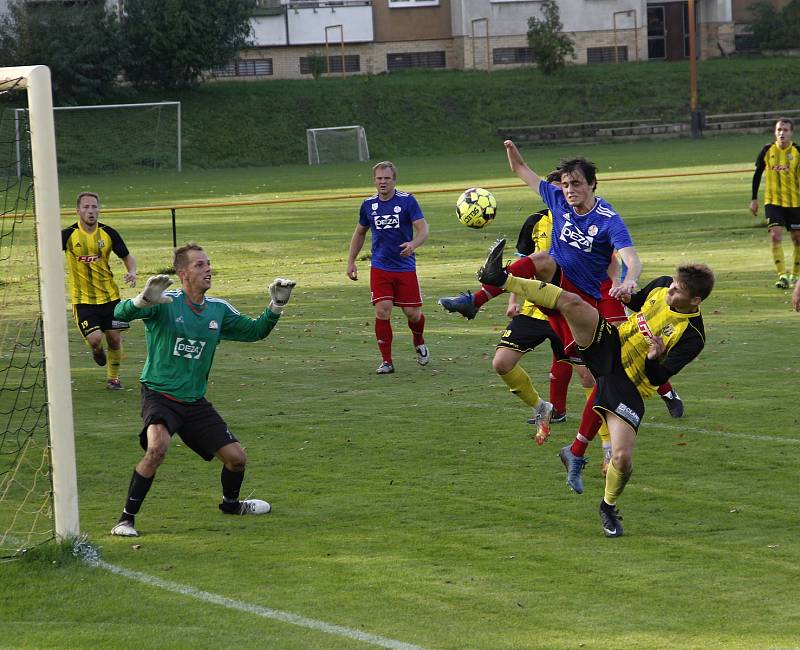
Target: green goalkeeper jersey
[[182, 338]]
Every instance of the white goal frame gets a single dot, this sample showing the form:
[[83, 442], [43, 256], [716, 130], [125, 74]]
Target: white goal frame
[[36, 79], [313, 148], [177, 105]]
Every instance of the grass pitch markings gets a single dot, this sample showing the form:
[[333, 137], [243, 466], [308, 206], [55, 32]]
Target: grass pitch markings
[[93, 560], [722, 434]]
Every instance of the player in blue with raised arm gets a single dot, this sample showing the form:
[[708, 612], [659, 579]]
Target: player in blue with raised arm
[[183, 328], [398, 229]]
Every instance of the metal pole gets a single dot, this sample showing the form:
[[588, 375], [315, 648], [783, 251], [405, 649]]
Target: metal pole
[[697, 116], [16, 141], [174, 230], [180, 156]]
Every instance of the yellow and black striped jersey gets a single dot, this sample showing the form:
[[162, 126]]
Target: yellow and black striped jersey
[[90, 277], [683, 335], [782, 169], [534, 237]]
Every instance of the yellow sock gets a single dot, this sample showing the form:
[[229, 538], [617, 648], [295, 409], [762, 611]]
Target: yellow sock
[[541, 293], [519, 383], [615, 483], [605, 436], [777, 258], [114, 361], [796, 262]]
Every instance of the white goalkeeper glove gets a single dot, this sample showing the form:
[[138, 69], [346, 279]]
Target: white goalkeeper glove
[[153, 292], [279, 292]]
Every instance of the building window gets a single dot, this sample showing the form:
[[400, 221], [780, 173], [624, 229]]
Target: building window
[[400, 4], [415, 60], [501, 55], [606, 54], [245, 68], [333, 63]]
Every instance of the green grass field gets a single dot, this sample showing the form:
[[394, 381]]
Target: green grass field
[[413, 507]]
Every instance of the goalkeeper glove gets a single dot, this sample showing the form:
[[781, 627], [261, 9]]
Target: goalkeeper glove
[[279, 292], [153, 292]]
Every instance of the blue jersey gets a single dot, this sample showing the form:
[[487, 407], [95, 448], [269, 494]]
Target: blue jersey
[[583, 244], [391, 223]]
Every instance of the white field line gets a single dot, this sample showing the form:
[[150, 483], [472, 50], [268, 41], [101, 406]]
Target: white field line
[[265, 612], [721, 434]]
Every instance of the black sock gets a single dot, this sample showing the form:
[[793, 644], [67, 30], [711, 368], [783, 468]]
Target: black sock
[[231, 484], [137, 491]]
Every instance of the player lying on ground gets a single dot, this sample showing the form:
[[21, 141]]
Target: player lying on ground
[[663, 334], [183, 328]]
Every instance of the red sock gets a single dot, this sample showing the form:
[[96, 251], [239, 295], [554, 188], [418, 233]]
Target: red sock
[[383, 332], [664, 388], [589, 426], [560, 374], [485, 294], [522, 268], [417, 329]]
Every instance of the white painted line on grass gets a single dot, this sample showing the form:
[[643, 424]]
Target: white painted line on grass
[[721, 434], [265, 612]]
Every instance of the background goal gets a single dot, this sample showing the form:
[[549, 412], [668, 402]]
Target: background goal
[[337, 144], [113, 137], [38, 485]]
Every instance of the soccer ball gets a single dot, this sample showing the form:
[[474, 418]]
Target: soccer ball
[[476, 207]]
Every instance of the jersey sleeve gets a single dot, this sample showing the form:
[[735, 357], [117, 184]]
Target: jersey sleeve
[[414, 211], [688, 348], [550, 194], [620, 237], [117, 244], [238, 327], [363, 219], [761, 165], [127, 311], [66, 233], [640, 297], [525, 243]]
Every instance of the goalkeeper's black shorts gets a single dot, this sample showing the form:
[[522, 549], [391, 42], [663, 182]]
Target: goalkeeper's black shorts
[[525, 333], [198, 424]]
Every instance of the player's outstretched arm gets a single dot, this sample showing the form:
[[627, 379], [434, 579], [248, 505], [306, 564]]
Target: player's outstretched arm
[[356, 244], [796, 297], [625, 289], [519, 167], [279, 292], [153, 292]]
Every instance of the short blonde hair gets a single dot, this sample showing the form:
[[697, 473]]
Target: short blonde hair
[[181, 257], [385, 164]]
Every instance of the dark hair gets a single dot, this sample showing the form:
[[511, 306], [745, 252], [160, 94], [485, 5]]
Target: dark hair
[[554, 176], [82, 194], [697, 278], [585, 167], [787, 120], [181, 257], [385, 164]]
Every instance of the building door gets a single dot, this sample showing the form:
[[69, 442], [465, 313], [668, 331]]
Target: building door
[[667, 31]]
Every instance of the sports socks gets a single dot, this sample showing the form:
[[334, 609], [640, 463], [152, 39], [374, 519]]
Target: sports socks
[[589, 426], [137, 491], [615, 483], [778, 259], [114, 362], [519, 383], [796, 261], [231, 484], [521, 268], [665, 389], [417, 330], [538, 292], [383, 334], [560, 374]]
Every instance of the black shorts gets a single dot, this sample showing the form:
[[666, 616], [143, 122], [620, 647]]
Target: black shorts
[[198, 424], [616, 393], [525, 333], [777, 215], [90, 318]]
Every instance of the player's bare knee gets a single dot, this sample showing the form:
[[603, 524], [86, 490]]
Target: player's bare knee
[[622, 460], [568, 302]]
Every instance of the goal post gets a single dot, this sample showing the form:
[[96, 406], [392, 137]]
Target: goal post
[[35, 80], [337, 144]]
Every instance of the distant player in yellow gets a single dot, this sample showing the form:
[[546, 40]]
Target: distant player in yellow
[[780, 163], [88, 244], [661, 336]]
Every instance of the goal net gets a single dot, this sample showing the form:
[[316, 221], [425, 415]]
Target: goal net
[[337, 144], [109, 138], [38, 495]]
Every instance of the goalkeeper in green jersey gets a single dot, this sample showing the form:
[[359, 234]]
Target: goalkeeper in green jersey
[[663, 334], [183, 328]]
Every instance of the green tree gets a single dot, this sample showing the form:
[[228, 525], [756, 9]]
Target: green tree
[[171, 43], [79, 43], [549, 45], [776, 30]]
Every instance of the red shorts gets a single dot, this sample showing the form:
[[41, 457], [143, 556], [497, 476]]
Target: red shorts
[[401, 287], [611, 309]]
